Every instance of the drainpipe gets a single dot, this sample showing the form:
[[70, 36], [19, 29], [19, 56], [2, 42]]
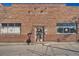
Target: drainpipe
[[76, 29]]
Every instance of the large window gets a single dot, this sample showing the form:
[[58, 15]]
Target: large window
[[66, 28], [10, 28]]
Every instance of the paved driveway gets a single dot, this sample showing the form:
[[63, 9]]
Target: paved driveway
[[40, 49]]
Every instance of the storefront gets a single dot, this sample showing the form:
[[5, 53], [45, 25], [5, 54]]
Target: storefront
[[46, 22]]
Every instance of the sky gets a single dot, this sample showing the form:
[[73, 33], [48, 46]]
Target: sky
[[39, 1]]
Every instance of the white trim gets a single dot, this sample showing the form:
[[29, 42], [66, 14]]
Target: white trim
[[65, 33]]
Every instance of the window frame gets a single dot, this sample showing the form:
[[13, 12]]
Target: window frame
[[70, 27], [12, 26]]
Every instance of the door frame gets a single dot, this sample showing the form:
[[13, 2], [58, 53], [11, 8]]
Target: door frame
[[34, 32]]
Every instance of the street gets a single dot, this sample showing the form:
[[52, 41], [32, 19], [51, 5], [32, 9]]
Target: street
[[40, 49]]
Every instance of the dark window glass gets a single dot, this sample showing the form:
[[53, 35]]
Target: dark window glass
[[66, 24], [66, 27], [18, 24], [60, 30], [4, 24], [11, 24], [72, 30]]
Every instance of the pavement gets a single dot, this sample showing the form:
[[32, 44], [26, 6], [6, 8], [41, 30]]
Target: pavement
[[40, 49]]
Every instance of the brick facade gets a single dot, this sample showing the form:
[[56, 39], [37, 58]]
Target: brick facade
[[31, 15]]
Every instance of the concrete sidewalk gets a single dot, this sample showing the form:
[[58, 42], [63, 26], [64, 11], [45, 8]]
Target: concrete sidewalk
[[40, 49]]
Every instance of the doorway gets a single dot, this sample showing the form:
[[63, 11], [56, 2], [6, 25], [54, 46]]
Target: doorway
[[39, 32]]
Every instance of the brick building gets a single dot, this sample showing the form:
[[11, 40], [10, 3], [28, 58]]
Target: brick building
[[46, 22]]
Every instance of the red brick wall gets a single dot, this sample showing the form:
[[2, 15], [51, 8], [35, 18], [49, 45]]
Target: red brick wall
[[55, 13]]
